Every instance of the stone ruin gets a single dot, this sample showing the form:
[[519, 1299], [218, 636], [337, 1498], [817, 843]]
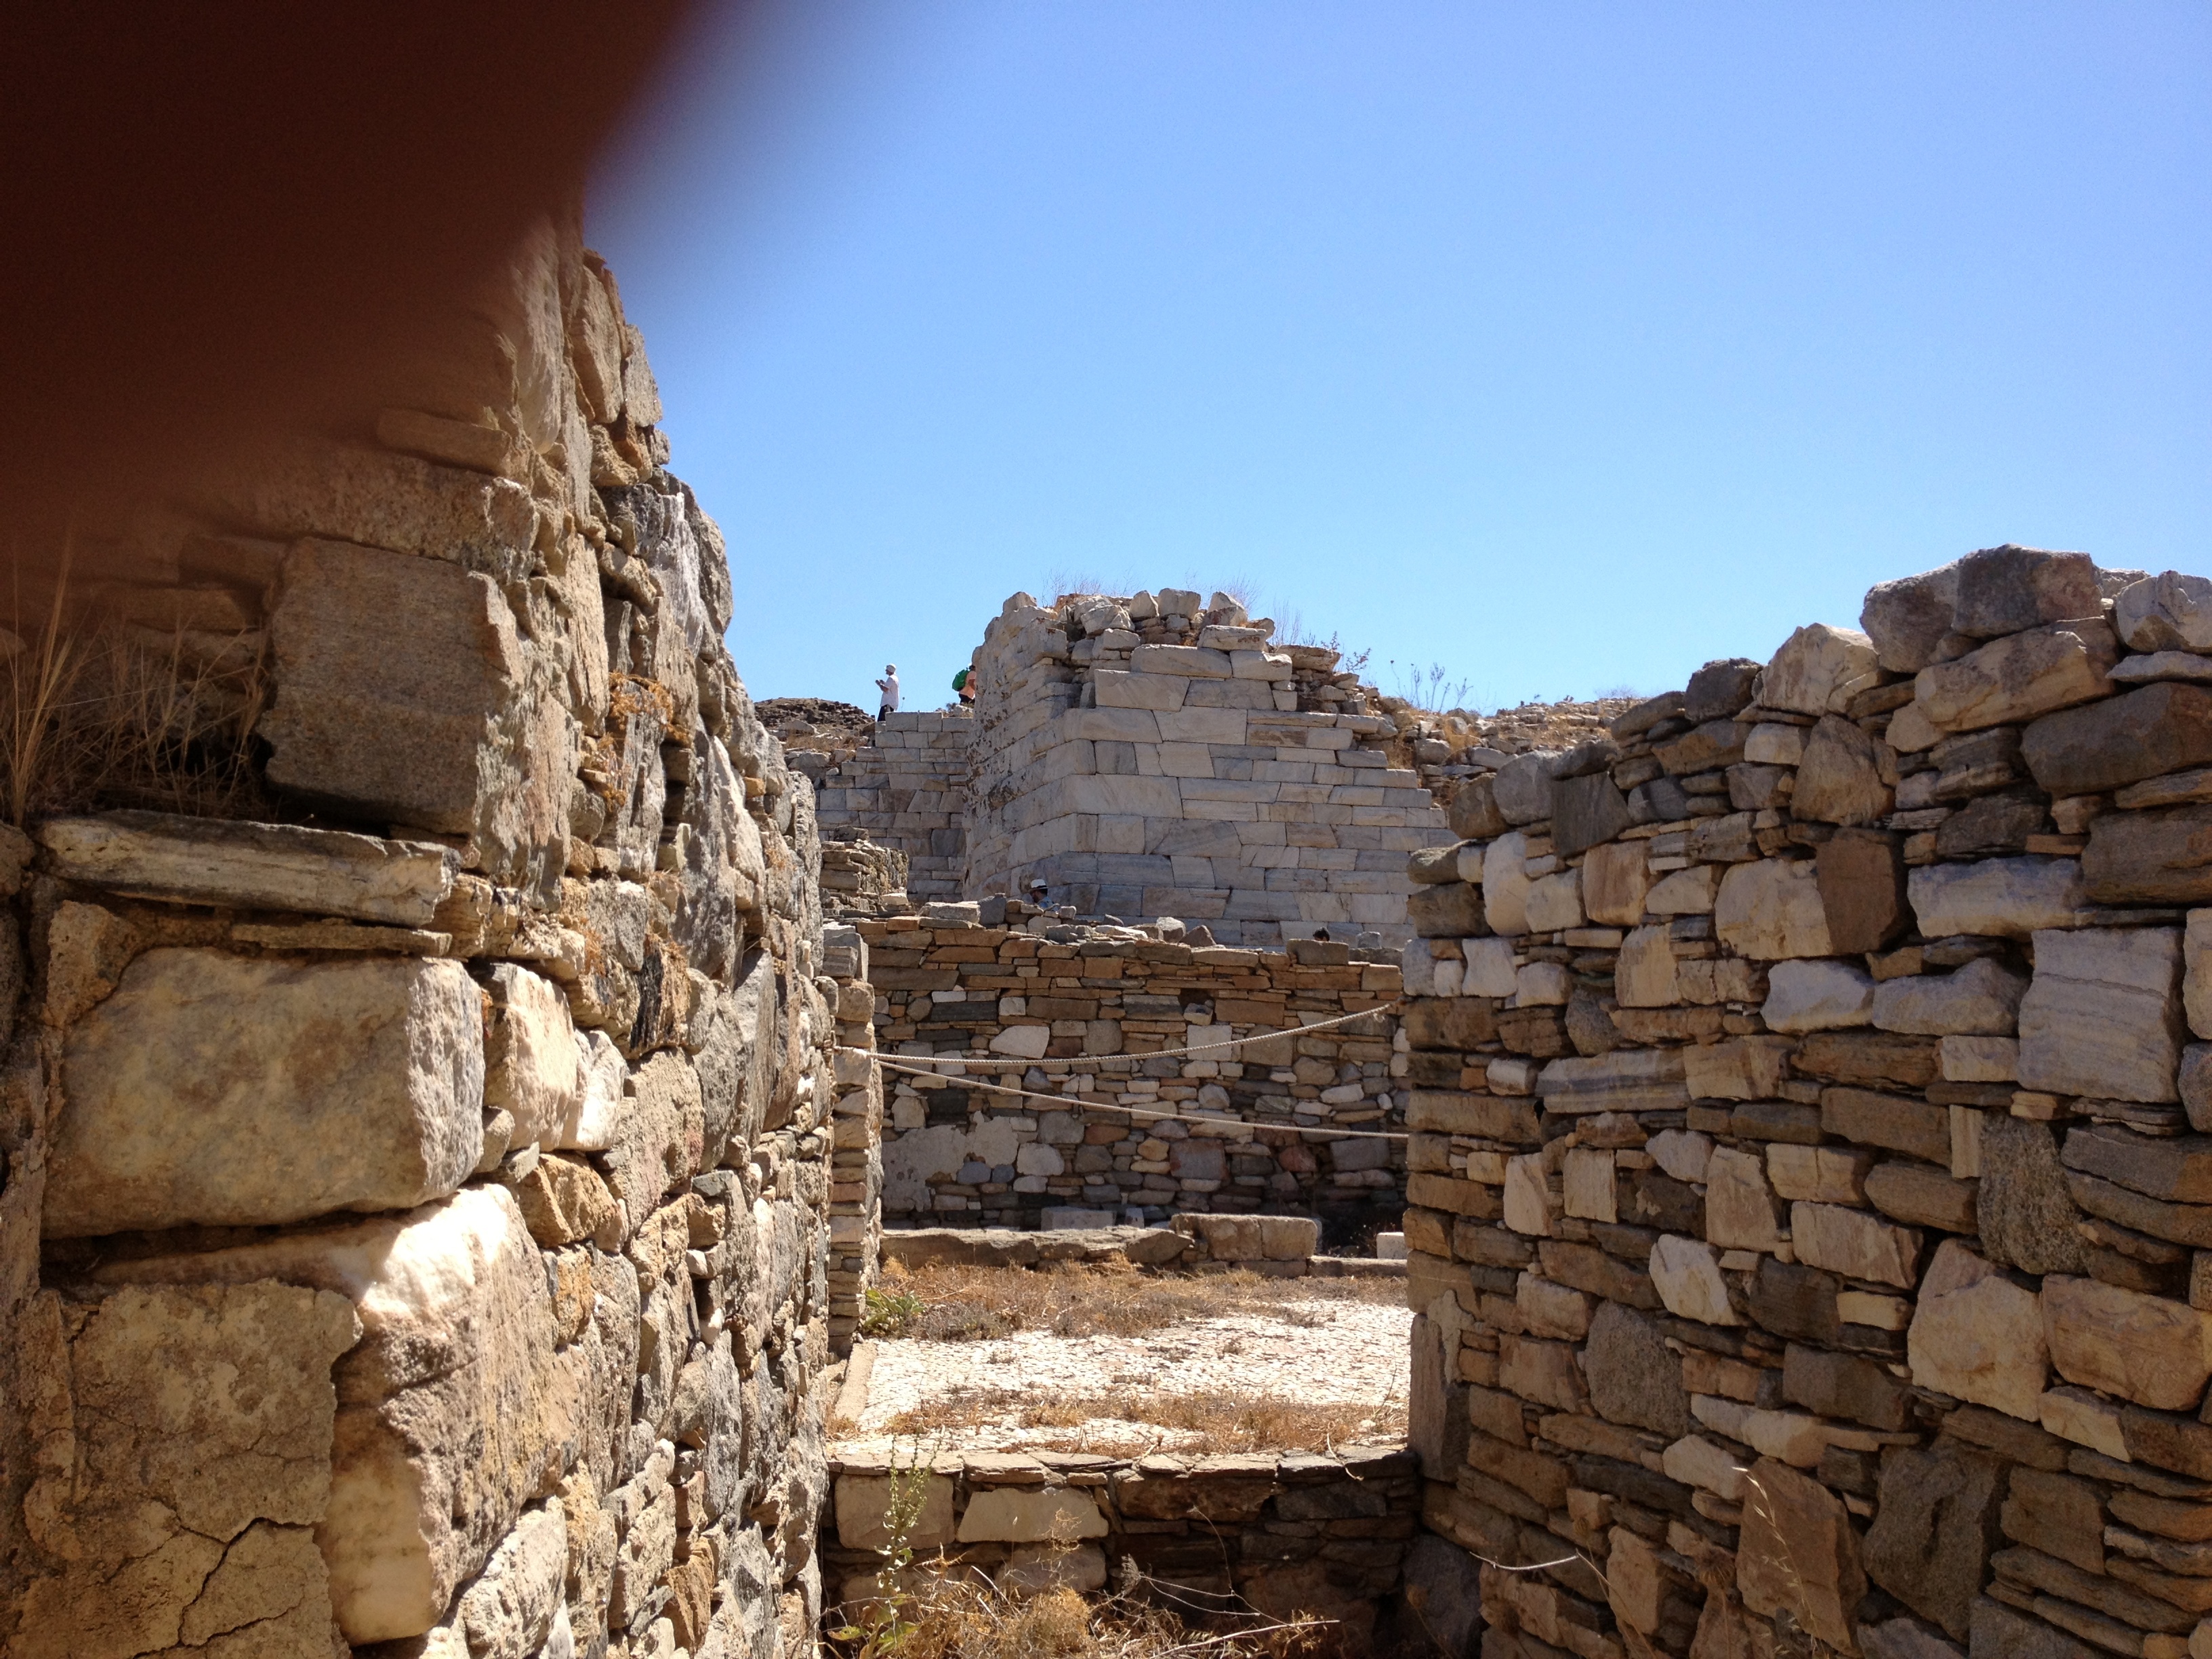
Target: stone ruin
[[428, 1217], [1153, 756], [446, 1155]]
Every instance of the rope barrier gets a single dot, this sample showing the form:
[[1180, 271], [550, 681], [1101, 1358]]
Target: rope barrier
[[1001, 1062], [1065, 1103]]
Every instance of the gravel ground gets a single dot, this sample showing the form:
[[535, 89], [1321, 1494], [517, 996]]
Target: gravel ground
[[1350, 1352]]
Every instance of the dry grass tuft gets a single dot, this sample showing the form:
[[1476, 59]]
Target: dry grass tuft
[[1130, 1425], [963, 1616], [96, 712], [944, 1303]]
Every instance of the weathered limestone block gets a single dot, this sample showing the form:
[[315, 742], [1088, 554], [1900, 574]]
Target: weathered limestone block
[[1771, 908], [451, 1417], [2151, 1350], [1615, 879], [2018, 677], [2170, 611], [661, 1137], [1027, 1514], [1544, 1373], [508, 1612], [563, 1199], [1981, 999], [1643, 974], [1447, 910], [2103, 1016], [1922, 1195], [1861, 876], [2002, 589], [1855, 1244], [2197, 971], [1977, 1335], [1825, 1175], [182, 1459], [355, 493], [1818, 670], [1586, 811], [531, 1067], [1505, 884], [235, 1092], [2157, 856], [1747, 1068], [1740, 1212], [1555, 902], [863, 1508], [1817, 996], [1523, 787], [2121, 740], [601, 1076], [406, 694], [2008, 898], [1798, 1553], [1840, 779], [263, 867], [1688, 1277], [1907, 619]]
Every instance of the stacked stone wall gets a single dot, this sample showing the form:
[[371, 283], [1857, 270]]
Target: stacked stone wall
[[418, 1201], [1808, 1236], [1282, 1532], [906, 790], [1149, 756], [1107, 1001]]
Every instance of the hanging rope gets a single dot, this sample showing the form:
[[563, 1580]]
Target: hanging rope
[[1003, 1062], [1067, 1102]]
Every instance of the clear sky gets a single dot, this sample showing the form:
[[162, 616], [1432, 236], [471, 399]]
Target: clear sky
[[1565, 346]]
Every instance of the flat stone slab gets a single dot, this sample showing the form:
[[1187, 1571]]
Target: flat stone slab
[[1002, 1246], [253, 866]]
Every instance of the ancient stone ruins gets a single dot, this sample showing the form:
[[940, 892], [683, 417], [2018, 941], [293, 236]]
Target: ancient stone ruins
[[462, 1063]]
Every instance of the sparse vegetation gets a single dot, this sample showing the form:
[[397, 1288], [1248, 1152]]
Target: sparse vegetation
[[962, 1615], [1126, 1425], [100, 710], [944, 1303]]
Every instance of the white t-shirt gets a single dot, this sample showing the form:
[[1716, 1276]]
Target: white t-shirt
[[889, 687]]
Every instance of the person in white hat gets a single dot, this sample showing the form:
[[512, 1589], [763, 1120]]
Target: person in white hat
[[888, 686]]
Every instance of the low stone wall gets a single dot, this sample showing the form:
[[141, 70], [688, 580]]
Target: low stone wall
[[1808, 1226], [1284, 1532], [955, 1154]]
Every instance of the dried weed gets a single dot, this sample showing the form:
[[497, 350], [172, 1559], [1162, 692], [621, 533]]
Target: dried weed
[[963, 1616], [971, 1304], [1130, 1425]]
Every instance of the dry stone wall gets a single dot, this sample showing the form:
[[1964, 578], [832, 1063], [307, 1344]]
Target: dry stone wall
[[1808, 1230], [1281, 1532], [905, 791], [419, 1210], [1092, 1009]]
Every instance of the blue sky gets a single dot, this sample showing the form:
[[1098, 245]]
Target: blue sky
[[1565, 346]]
